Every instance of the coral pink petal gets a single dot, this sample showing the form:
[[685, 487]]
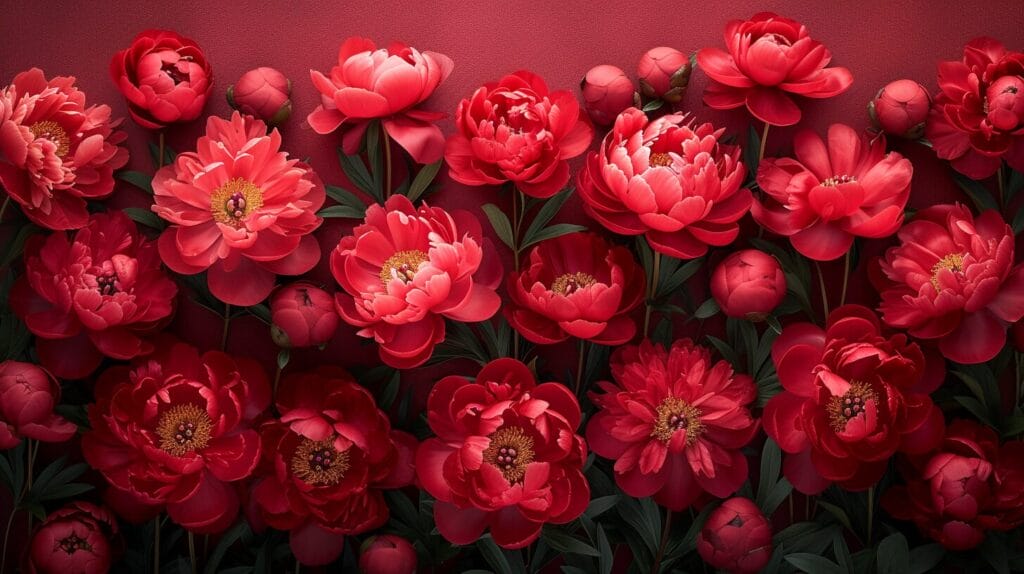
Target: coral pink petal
[[772, 106], [424, 141], [245, 285], [977, 339]]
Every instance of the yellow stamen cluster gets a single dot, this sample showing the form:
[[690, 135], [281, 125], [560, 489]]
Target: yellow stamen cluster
[[403, 266], [850, 405], [571, 282], [511, 450], [675, 414], [51, 130], [232, 202], [319, 463], [183, 429]]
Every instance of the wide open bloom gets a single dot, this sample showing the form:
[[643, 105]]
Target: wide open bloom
[[833, 192], [852, 398], [386, 83], [515, 130], [326, 462], [405, 270], [73, 539], [176, 430], [27, 397], [576, 285], [770, 60], [506, 457], [952, 278], [669, 179], [977, 119], [56, 152], [240, 208], [100, 293]]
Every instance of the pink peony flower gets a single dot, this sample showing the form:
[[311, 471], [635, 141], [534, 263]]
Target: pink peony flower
[[664, 73]]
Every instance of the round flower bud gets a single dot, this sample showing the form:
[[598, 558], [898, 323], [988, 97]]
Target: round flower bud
[[607, 91], [664, 73], [303, 315], [736, 538], [263, 93], [75, 538], [387, 554], [900, 109], [748, 284]]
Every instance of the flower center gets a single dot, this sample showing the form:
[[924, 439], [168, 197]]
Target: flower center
[[72, 543], [954, 262], [51, 130], [849, 406], [319, 463], [675, 414], [233, 201], [837, 180], [776, 39], [402, 266], [660, 160], [184, 429], [511, 450], [172, 71], [572, 282]]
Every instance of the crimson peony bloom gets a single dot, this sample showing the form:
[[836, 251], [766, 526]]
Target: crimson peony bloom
[[952, 278], [736, 537], [27, 397], [100, 293], [264, 93], [325, 463], [73, 539], [405, 270], [831, 193], [748, 284], [977, 119], [901, 108], [368, 84], [576, 285], [668, 179], [165, 78], [506, 456], [175, 429], [664, 73], [607, 91], [515, 130], [240, 208], [970, 486], [770, 60], [302, 315], [387, 554], [55, 152], [852, 398], [674, 423]]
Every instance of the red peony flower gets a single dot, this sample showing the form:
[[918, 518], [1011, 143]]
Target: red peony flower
[[576, 285], [515, 130], [852, 398], [831, 193], [405, 270], [302, 315], [264, 93], [977, 119], [748, 284], [103, 292], [506, 456], [240, 209], [952, 278], [326, 461], [736, 537], [27, 397], [55, 152], [368, 84], [674, 424], [664, 73], [770, 60], [73, 539], [175, 429], [607, 91], [970, 486], [165, 78], [668, 179], [387, 554], [901, 108]]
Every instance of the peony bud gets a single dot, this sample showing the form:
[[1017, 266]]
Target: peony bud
[[748, 284], [264, 93], [75, 538], [664, 73], [27, 397], [900, 109], [1006, 103], [607, 91], [387, 554], [736, 537], [303, 315], [959, 484]]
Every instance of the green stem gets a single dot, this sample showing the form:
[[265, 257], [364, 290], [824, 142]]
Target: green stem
[[33, 452], [764, 141], [387, 162], [999, 182], [227, 327], [298, 566], [160, 148], [824, 294], [665, 529], [192, 551], [871, 513], [3, 208], [156, 545], [846, 279], [581, 352], [277, 379], [652, 291], [7, 533]]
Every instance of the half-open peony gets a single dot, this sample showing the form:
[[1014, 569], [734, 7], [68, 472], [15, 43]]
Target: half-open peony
[[405, 270], [748, 284], [27, 397], [736, 537], [55, 151], [302, 315], [239, 208], [674, 422], [669, 179], [73, 539]]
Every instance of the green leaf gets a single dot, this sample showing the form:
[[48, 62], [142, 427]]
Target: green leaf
[[707, 309], [838, 512], [813, 563], [346, 198], [261, 312], [564, 542], [68, 490], [357, 173], [653, 105], [343, 211], [600, 505], [607, 557], [17, 245], [978, 193], [423, 180], [225, 542], [751, 150], [138, 179], [893, 555], [771, 466], [924, 558], [977, 409], [500, 223], [1018, 222], [552, 232], [995, 552], [145, 217], [547, 212], [390, 391], [373, 154], [283, 356], [493, 555], [154, 154]]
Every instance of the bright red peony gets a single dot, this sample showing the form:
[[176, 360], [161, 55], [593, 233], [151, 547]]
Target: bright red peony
[[164, 76], [73, 539], [607, 91], [506, 457], [770, 59], [405, 270], [852, 398], [736, 537], [386, 83], [515, 130], [901, 108], [239, 208], [100, 293], [748, 284], [325, 464], [833, 192], [669, 179], [952, 278], [175, 429], [674, 422], [576, 285], [977, 119], [27, 397], [55, 152]]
